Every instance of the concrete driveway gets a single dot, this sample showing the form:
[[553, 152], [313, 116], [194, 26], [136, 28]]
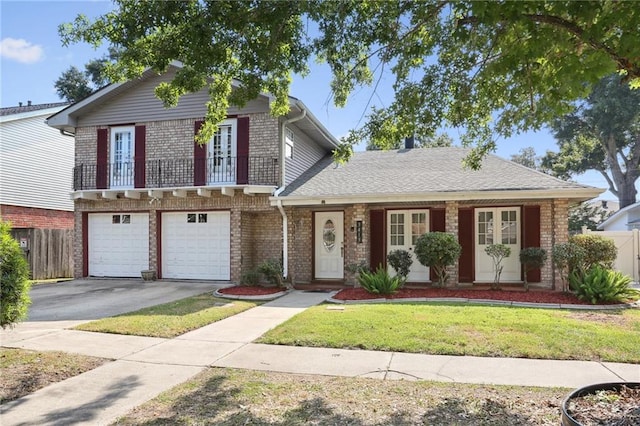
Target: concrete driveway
[[88, 299]]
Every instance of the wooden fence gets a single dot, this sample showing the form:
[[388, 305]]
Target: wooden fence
[[48, 251]]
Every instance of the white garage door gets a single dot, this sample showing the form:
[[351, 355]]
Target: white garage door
[[118, 244], [196, 245]]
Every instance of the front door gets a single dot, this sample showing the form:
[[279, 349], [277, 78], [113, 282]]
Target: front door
[[329, 249], [404, 227], [497, 226]]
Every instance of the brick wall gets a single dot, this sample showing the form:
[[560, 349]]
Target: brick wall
[[175, 139], [29, 217], [300, 245], [263, 222]]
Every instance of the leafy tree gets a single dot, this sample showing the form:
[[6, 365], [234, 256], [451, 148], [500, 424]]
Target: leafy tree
[[494, 68], [589, 215], [74, 85], [14, 279], [603, 134], [527, 157]]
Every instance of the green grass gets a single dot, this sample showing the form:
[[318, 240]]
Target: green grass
[[170, 319], [450, 329]]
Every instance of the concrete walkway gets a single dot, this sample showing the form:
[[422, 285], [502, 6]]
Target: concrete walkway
[[145, 366]]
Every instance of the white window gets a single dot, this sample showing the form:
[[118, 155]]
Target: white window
[[122, 146], [221, 155], [288, 147]]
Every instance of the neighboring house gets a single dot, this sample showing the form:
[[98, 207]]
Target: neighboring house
[[384, 200], [35, 169], [148, 197], [36, 162], [625, 219]]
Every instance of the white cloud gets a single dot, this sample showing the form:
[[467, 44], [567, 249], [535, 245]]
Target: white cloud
[[20, 50]]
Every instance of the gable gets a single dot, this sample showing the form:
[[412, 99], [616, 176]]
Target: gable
[[139, 104]]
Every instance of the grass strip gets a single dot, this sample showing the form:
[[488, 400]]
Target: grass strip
[[170, 319], [241, 397], [450, 329]]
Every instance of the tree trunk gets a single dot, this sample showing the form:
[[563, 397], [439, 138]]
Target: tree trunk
[[627, 193]]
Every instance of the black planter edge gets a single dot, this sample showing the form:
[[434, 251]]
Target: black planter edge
[[567, 420]]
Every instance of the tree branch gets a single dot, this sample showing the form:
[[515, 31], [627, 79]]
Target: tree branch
[[633, 71]]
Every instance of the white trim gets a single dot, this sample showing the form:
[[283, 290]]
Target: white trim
[[574, 193], [179, 192]]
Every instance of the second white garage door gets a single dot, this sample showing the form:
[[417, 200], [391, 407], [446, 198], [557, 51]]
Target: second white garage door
[[196, 245]]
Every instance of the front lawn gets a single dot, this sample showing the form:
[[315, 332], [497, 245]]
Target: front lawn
[[170, 319], [449, 329]]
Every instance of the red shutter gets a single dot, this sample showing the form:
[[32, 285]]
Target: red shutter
[[466, 268], [199, 159], [531, 236], [102, 162], [139, 157], [242, 150], [377, 237], [438, 221]]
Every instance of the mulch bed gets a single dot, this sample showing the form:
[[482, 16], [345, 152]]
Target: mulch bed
[[251, 290], [534, 296]]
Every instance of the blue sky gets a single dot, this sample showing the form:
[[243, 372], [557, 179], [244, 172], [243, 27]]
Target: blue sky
[[32, 58]]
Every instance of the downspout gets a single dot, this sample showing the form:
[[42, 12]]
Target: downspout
[[285, 221]]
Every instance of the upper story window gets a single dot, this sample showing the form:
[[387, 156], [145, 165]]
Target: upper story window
[[288, 147], [122, 146], [221, 153]]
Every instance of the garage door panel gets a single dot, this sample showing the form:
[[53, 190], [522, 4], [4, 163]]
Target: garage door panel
[[196, 245], [118, 247]]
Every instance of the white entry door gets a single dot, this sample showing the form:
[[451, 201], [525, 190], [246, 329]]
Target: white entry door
[[118, 244], [122, 141], [498, 226], [196, 245], [404, 227], [329, 247]]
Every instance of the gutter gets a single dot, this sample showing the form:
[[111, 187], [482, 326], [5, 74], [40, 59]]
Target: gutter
[[285, 221]]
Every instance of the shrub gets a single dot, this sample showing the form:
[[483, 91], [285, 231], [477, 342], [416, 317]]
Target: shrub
[[400, 261], [497, 252], [601, 285], [566, 257], [532, 258], [14, 279], [251, 277], [598, 250], [438, 250], [380, 282], [272, 271], [358, 268]]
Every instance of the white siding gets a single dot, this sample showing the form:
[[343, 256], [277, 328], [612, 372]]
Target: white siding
[[305, 154], [141, 105], [36, 163]]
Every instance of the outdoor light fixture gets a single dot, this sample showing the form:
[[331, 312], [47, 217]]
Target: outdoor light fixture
[[358, 231]]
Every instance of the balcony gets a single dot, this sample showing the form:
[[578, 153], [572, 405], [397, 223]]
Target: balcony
[[177, 173]]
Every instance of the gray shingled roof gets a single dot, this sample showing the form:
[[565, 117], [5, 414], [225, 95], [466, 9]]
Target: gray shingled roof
[[419, 171], [29, 108]]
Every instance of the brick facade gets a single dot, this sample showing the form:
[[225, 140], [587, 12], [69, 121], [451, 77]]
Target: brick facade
[[30, 217], [553, 230], [256, 227]]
